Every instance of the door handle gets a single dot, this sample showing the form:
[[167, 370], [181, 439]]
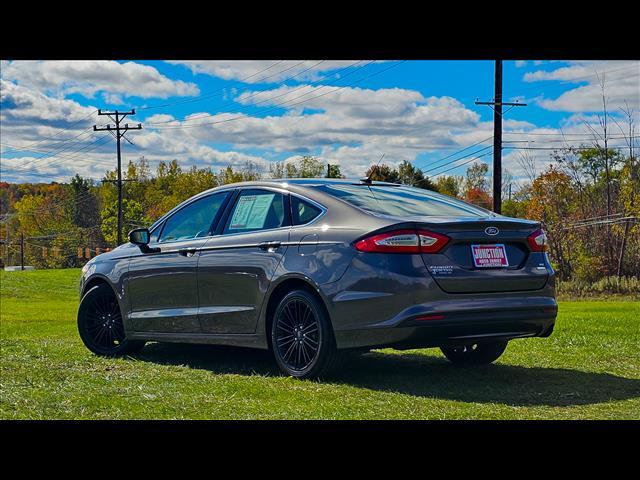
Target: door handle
[[269, 245], [187, 252]]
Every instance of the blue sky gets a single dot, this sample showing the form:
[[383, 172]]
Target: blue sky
[[345, 112]]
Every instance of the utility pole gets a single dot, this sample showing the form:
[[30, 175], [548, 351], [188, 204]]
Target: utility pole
[[496, 105], [22, 251], [624, 244], [117, 117]]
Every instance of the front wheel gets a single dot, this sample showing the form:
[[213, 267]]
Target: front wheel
[[100, 324], [301, 336], [475, 353]]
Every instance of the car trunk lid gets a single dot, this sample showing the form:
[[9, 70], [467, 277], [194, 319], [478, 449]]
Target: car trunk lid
[[486, 240]]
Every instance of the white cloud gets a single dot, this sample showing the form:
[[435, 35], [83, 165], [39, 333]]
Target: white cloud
[[348, 115], [258, 71], [39, 114], [112, 99], [87, 77], [351, 127], [621, 79], [389, 102], [31, 119]]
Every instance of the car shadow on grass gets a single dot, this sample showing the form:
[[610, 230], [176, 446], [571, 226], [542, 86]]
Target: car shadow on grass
[[421, 375]]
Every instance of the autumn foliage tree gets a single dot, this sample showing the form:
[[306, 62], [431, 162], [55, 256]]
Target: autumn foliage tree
[[82, 214]]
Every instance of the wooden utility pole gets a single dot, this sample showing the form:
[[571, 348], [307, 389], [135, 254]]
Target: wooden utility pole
[[624, 245], [117, 117], [331, 169], [497, 139], [22, 251], [496, 105]]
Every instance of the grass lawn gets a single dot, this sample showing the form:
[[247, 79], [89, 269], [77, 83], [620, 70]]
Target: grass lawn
[[588, 369]]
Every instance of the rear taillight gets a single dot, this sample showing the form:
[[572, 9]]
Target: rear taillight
[[538, 241], [403, 241], [431, 242]]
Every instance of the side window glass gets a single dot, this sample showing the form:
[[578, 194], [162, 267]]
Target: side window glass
[[303, 211], [194, 220], [256, 210], [155, 234]]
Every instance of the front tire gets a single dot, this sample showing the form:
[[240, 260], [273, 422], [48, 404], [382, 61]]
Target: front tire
[[476, 353], [301, 336], [100, 324]]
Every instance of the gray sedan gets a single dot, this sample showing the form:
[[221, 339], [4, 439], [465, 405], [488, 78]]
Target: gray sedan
[[314, 268]]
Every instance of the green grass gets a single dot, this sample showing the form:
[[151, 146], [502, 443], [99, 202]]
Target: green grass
[[589, 368]]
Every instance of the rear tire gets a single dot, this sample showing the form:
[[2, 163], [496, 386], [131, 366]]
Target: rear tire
[[302, 339], [100, 324], [475, 353]]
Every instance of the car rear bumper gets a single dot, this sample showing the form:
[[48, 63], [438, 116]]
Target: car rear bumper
[[454, 324], [393, 300]]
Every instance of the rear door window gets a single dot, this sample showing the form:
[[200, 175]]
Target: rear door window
[[257, 210], [303, 212]]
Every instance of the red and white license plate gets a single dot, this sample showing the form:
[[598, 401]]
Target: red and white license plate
[[489, 256]]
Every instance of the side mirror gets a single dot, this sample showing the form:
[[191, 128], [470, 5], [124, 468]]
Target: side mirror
[[140, 236]]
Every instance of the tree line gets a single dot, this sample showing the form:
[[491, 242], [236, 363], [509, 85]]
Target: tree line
[[587, 199]]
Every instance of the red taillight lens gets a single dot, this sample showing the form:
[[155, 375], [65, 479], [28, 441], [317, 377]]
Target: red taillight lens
[[398, 241], [538, 241], [403, 241], [431, 242]]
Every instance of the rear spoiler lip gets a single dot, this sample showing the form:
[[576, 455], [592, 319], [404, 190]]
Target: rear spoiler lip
[[443, 220], [503, 224]]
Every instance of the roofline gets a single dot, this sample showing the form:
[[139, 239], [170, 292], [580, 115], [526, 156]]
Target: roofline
[[283, 183], [311, 181]]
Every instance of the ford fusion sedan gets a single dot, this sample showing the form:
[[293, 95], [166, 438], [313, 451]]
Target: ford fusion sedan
[[312, 268]]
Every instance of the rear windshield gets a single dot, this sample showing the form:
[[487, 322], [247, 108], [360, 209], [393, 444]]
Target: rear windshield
[[402, 201]]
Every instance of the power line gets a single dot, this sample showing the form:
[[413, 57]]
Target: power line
[[79, 153], [248, 106], [258, 92], [64, 129], [58, 149], [212, 94], [561, 134], [462, 164], [613, 221], [275, 107], [46, 152], [206, 114], [560, 148], [459, 151], [57, 158], [450, 162], [59, 155]]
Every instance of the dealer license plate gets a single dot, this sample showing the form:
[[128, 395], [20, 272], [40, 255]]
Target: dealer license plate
[[489, 256]]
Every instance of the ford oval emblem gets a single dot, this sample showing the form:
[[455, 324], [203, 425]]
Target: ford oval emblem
[[491, 231]]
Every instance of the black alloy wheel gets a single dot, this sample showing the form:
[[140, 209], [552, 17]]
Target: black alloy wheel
[[100, 324], [301, 336]]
